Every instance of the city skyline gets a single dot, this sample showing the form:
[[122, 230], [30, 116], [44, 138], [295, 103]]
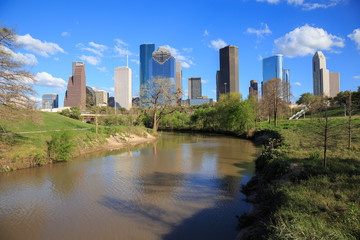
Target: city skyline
[[67, 38]]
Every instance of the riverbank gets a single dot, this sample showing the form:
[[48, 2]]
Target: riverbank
[[31, 147], [294, 195]]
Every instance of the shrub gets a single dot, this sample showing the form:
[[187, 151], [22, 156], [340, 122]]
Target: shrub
[[60, 147]]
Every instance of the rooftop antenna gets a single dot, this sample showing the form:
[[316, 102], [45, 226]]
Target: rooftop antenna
[[127, 57]]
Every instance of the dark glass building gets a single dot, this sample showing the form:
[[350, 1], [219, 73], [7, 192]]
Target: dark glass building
[[75, 95], [146, 51], [228, 81], [195, 88], [50, 101], [253, 89]]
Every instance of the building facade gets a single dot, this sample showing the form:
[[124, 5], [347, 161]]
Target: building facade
[[324, 82], [195, 88], [253, 89], [228, 77], [75, 95], [50, 101], [101, 98], [123, 87], [287, 92], [178, 82], [146, 51], [163, 67], [273, 67]]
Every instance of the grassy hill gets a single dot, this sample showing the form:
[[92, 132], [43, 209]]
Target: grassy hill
[[42, 121]]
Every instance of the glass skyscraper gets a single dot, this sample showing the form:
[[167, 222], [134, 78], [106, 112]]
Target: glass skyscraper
[[163, 66], [50, 101], [273, 67], [146, 51]]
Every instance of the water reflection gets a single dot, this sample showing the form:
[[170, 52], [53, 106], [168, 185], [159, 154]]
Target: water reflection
[[185, 186]]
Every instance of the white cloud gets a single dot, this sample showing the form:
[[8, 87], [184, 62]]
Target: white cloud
[[102, 69], [357, 77], [37, 46], [56, 59], [206, 33], [264, 30], [97, 49], [188, 50], [186, 61], [297, 84], [307, 4], [269, 1], [98, 46], [260, 58], [306, 40], [213, 91], [204, 81], [355, 36], [65, 34], [26, 58], [121, 48], [47, 80], [90, 59], [135, 61], [35, 99], [217, 44]]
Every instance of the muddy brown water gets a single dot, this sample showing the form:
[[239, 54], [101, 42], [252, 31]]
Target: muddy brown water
[[184, 186]]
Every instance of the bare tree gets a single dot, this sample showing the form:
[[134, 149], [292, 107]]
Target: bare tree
[[274, 98], [160, 96], [15, 80]]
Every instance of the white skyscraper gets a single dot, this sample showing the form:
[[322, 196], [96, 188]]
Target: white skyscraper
[[123, 87], [325, 83]]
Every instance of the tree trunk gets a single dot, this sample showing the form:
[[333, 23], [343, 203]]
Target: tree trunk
[[155, 123]]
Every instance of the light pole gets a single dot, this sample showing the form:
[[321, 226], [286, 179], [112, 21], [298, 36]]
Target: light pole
[[225, 87]]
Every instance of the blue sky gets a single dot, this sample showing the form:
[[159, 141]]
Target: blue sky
[[53, 34]]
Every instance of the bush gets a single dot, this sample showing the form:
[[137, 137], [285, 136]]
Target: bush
[[60, 147]]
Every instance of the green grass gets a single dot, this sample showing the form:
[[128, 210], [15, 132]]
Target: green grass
[[318, 203], [43, 121]]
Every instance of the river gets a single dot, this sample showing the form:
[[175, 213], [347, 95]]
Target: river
[[184, 186]]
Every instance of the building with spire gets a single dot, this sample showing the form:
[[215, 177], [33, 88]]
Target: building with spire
[[163, 66], [123, 87], [75, 95]]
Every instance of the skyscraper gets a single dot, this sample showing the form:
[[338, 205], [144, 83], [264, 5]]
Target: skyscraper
[[229, 71], [323, 80], [178, 82], [123, 87], [50, 101], [146, 51], [287, 92], [273, 67], [101, 97], [253, 89], [75, 95], [163, 66], [195, 88], [217, 85]]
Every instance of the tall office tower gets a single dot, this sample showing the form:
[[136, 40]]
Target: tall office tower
[[195, 88], [321, 79], [101, 97], [163, 66], [325, 82], [146, 51], [123, 87], [217, 85], [334, 83], [50, 101], [273, 67], [287, 92], [75, 95], [178, 82], [253, 89], [229, 70], [90, 97]]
